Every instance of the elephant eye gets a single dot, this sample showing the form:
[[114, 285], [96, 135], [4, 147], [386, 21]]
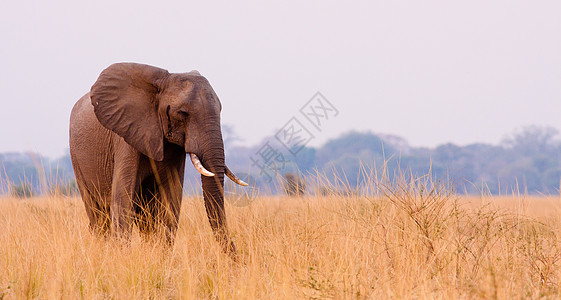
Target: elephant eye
[[183, 113]]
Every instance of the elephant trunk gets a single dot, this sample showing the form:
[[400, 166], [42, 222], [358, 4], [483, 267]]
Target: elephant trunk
[[212, 156]]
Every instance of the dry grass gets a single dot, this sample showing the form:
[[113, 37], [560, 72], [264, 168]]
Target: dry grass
[[414, 240]]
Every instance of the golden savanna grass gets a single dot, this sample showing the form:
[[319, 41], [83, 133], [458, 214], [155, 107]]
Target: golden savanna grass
[[413, 240]]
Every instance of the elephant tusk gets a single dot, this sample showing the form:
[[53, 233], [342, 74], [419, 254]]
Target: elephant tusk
[[199, 166], [234, 177]]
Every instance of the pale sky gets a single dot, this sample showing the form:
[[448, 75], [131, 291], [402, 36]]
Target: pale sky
[[432, 72]]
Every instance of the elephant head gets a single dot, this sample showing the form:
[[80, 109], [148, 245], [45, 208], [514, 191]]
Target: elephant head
[[146, 106]]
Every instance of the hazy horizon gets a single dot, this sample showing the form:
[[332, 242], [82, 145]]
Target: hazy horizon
[[433, 72]]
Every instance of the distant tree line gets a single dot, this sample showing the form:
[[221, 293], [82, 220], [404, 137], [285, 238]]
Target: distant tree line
[[528, 161]]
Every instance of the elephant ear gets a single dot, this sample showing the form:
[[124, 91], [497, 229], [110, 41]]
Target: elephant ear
[[125, 101]]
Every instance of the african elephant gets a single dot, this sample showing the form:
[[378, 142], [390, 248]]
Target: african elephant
[[129, 137]]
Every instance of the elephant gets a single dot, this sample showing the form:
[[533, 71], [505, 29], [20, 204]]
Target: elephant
[[129, 138]]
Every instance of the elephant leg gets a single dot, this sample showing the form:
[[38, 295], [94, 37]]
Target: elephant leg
[[98, 215], [96, 206], [123, 189], [100, 219], [169, 216], [157, 207], [167, 183], [169, 206], [145, 206]]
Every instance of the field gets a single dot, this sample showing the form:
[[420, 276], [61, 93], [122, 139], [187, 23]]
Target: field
[[408, 241]]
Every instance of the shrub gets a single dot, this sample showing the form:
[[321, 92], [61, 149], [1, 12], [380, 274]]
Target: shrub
[[24, 190], [294, 185], [69, 189]]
